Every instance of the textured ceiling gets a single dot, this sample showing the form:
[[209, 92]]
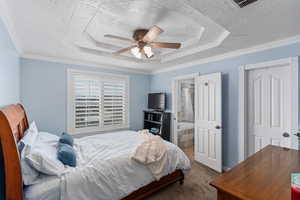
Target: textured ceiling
[[181, 23], [261, 22], [60, 28]]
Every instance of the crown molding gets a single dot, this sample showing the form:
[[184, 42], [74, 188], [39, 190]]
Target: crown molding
[[236, 53], [8, 22], [83, 63]]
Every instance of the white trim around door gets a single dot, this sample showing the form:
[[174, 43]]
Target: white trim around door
[[294, 63]]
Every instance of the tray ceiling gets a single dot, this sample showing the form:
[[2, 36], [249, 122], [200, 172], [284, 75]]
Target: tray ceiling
[[61, 29]]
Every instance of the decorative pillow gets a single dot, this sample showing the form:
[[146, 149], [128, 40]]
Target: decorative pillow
[[29, 174], [66, 139], [66, 154], [43, 158], [21, 146]]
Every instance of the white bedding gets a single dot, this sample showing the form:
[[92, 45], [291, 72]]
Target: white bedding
[[48, 188], [105, 169]]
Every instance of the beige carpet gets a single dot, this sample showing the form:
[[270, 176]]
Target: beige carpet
[[196, 184]]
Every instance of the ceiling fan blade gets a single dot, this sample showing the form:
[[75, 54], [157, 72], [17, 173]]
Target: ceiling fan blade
[[119, 38], [166, 45], [101, 44], [125, 49], [153, 33]]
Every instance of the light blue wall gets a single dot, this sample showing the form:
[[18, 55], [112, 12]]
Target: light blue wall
[[229, 67], [44, 93], [9, 81], [9, 69]]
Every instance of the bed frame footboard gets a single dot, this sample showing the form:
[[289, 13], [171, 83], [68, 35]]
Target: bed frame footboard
[[155, 186]]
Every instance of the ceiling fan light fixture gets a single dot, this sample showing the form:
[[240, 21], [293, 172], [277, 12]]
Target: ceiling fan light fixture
[[136, 52], [148, 51], [144, 42]]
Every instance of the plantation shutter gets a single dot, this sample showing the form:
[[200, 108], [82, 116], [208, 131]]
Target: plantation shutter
[[87, 102], [97, 102], [114, 103]]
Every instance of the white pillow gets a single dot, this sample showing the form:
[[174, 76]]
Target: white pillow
[[48, 137], [30, 135], [43, 157], [29, 174]]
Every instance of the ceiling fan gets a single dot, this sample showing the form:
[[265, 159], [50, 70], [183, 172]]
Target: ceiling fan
[[143, 40]]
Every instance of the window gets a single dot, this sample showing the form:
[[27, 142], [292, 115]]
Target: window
[[97, 102]]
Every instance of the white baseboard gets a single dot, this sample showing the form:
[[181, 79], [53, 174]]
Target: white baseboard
[[225, 168]]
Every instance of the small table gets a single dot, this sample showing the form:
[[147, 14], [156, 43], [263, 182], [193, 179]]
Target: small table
[[264, 176]]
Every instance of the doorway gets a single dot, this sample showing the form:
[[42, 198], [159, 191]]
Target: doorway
[[268, 105], [197, 121], [184, 113]]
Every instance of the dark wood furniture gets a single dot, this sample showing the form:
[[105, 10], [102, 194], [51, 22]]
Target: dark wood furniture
[[159, 120], [155, 186], [13, 124], [264, 176]]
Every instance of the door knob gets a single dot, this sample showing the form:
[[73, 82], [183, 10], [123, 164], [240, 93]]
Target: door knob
[[218, 127], [286, 135]]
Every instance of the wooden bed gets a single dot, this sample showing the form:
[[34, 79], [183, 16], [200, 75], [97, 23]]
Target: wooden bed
[[13, 124]]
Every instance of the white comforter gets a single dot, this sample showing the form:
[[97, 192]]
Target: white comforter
[[106, 171]]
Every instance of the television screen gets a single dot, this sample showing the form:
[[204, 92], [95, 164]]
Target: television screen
[[157, 101]]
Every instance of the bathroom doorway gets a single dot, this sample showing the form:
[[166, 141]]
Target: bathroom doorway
[[184, 113]]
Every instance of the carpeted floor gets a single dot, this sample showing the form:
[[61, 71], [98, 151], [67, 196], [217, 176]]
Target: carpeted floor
[[196, 184]]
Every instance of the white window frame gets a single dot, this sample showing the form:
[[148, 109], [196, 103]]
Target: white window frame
[[70, 104]]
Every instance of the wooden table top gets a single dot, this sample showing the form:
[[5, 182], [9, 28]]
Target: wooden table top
[[264, 176]]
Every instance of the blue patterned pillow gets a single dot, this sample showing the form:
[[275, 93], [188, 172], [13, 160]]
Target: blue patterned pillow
[[66, 139], [66, 154]]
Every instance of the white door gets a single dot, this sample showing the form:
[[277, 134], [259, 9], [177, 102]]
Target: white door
[[208, 130], [269, 107]]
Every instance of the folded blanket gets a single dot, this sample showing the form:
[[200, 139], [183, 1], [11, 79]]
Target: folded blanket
[[152, 153]]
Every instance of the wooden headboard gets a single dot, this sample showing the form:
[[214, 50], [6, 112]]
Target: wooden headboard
[[13, 124]]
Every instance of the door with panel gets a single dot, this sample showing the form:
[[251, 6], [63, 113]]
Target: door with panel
[[269, 107], [208, 130]]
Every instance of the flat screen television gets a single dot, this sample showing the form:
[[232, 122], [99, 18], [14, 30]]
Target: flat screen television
[[157, 101]]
